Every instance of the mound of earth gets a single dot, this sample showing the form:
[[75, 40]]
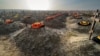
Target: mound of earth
[[7, 29], [57, 23], [38, 42]]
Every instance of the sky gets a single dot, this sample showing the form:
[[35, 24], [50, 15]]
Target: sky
[[50, 4]]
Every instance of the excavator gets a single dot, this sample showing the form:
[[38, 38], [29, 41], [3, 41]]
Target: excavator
[[53, 16], [95, 19], [38, 25], [76, 15], [84, 23], [6, 21], [35, 25]]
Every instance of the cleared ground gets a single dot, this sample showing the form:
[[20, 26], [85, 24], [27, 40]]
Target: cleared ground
[[61, 36]]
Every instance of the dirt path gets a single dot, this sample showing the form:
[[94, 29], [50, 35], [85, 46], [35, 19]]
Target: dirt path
[[12, 35], [7, 48]]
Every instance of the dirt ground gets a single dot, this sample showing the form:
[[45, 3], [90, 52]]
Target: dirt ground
[[69, 39], [8, 48]]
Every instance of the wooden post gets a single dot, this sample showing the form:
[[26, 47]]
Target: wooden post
[[92, 29], [93, 24]]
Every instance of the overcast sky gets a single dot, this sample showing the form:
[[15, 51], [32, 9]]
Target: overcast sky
[[50, 4]]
